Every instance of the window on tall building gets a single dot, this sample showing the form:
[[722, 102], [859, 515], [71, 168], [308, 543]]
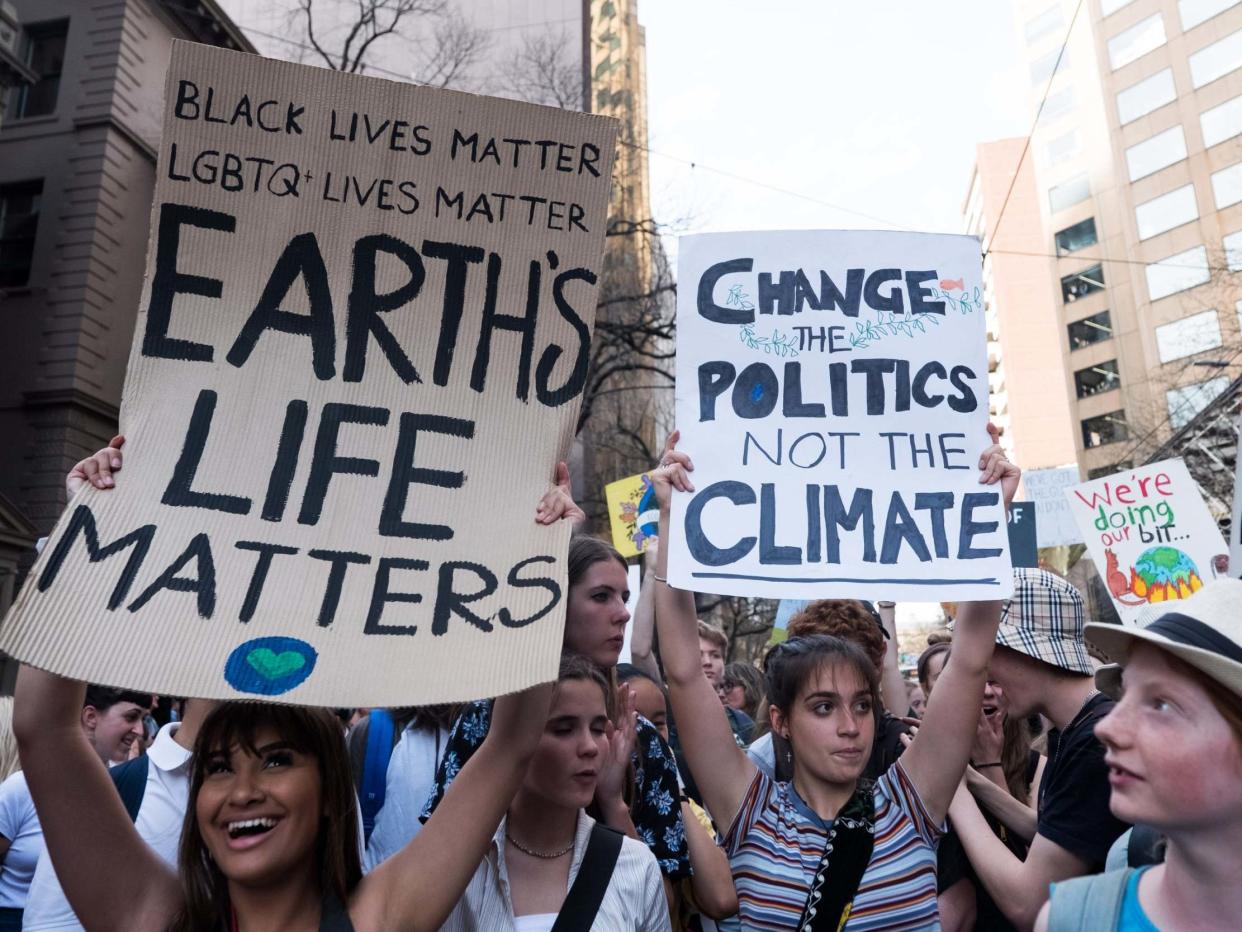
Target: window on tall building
[[1166, 211], [1042, 67], [1068, 193], [1188, 336], [1081, 284], [1185, 402], [19, 221], [45, 54], [1106, 428], [1227, 185], [1222, 122], [1099, 472], [1046, 22], [1079, 236], [1160, 151], [1195, 12], [1062, 147], [1233, 251], [1096, 379], [1112, 6], [1135, 42], [1149, 94], [1177, 273], [1216, 60], [1058, 104], [1090, 330]]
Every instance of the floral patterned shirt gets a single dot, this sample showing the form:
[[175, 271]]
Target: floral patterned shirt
[[655, 807]]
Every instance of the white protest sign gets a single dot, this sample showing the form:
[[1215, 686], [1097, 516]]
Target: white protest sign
[[1054, 522], [362, 339], [1150, 534], [832, 391]]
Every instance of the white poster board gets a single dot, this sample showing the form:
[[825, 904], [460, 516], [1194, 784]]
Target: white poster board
[[1054, 521], [832, 390], [1150, 534]]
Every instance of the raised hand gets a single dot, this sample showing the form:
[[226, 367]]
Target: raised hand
[[621, 738], [558, 501], [96, 469], [673, 472], [995, 467]]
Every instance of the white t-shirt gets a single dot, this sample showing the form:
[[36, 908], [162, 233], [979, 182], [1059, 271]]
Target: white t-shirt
[[159, 824], [411, 775], [19, 823]]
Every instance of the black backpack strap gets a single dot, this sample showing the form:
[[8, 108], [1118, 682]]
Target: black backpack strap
[[582, 902], [130, 780]]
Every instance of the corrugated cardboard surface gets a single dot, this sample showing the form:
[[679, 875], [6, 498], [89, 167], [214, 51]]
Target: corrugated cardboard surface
[[284, 180]]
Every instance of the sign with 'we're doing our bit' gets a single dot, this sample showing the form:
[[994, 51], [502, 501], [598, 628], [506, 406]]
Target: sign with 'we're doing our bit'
[[832, 391], [359, 353], [1150, 534]]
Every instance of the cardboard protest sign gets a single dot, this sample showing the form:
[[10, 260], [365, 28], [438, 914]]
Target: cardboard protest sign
[[1055, 522], [633, 514], [1150, 534], [363, 335], [832, 392], [1023, 531]]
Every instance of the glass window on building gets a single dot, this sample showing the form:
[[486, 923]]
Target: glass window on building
[[1195, 12], [1233, 251], [45, 54], [1149, 94], [1068, 193], [1188, 336], [1047, 22], [1227, 185], [19, 220], [1177, 273], [1222, 122], [1185, 402], [1097, 379], [1081, 284], [1042, 67], [1062, 148], [1106, 428], [1216, 60], [1090, 330], [1135, 42], [1058, 104], [1079, 236], [1108, 7], [1160, 151], [1167, 211], [1100, 472]]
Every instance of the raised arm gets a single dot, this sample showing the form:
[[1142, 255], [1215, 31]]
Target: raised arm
[[937, 758], [892, 686], [721, 769], [84, 822], [642, 625], [419, 886]]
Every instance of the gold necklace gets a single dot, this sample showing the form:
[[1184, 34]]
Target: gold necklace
[[544, 855]]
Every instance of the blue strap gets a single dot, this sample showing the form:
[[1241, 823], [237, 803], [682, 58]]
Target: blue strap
[[375, 767], [130, 780]]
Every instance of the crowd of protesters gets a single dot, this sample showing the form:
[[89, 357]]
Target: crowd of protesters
[[1020, 783]]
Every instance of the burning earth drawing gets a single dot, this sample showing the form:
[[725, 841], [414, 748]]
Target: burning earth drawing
[[1160, 574]]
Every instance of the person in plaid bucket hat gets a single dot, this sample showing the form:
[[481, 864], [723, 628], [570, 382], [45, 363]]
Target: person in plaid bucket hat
[[1174, 749], [1041, 666]]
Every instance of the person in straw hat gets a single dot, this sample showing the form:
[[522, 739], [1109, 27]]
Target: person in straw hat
[[1042, 666], [1174, 753]]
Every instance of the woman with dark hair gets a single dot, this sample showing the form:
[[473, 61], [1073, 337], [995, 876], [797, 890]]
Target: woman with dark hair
[[546, 842], [743, 687], [639, 799], [828, 849], [271, 834], [1174, 751], [930, 663]]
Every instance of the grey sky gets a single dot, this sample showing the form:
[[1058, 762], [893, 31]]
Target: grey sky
[[876, 105]]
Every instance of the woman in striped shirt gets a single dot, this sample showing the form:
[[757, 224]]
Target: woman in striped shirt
[[827, 850]]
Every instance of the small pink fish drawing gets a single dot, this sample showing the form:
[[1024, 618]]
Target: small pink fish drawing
[[953, 284]]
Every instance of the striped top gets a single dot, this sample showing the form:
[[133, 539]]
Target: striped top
[[776, 842]]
